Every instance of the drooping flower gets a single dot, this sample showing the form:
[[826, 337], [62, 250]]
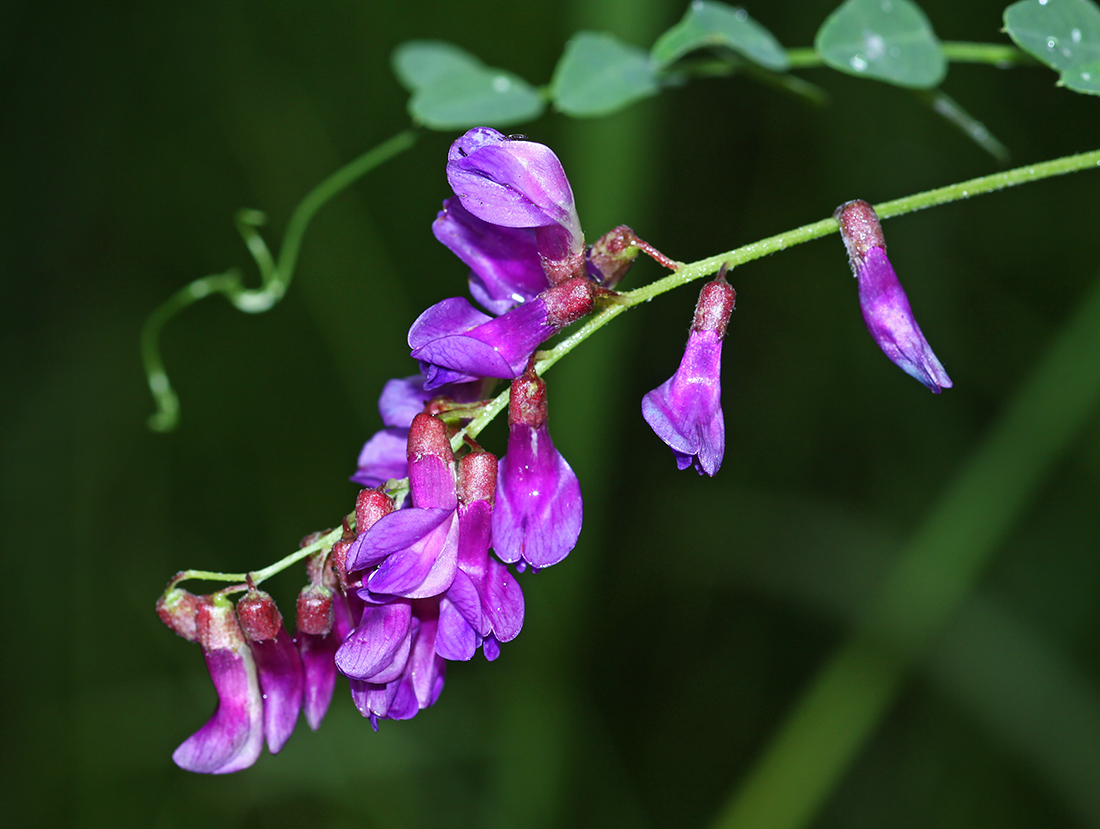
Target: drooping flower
[[883, 301], [277, 663], [456, 343], [686, 410], [414, 555], [538, 512], [234, 736], [515, 183], [484, 604]]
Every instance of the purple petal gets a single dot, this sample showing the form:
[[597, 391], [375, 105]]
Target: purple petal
[[451, 316], [318, 673], [382, 458], [424, 568], [455, 639], [393, 533], [491, 648], [890, 320], [505, 263], [512, 183], [686, 410], [502, 601], [281, 681], [497, 348], [538, 512], [464, 597], [402, 399], [378, 648], [233, 737]]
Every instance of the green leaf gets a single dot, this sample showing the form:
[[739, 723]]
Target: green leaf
[[716, 24], [599, 74], [1063, 34], [453, 90], [889, 40]]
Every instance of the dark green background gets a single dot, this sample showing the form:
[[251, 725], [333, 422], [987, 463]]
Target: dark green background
[[656, 661]]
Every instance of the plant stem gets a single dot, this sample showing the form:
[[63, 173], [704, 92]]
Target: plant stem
[[275, 276]]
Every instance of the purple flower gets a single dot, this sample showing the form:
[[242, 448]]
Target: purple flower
[[317, 651], [686, 410], [418, 682], [456, 343], [234, 736], [505, 266], [538, 512], [516, 184], [484, 604], [883, 301], [277, 663]]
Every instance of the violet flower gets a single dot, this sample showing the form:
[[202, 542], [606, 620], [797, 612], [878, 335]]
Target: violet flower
[[686, 410], [456, 343], [234, 736], [882, 300], [277, 663], [415, 555], [419, 682], [484, 605], [514, 183], [538, 511]]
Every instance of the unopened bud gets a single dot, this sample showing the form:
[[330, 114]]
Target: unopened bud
[[372, 504], [613, 254], [477, 477], [315, 614], [716, 301], [568, 302], [176, 608], [259, 615], [527, 400]]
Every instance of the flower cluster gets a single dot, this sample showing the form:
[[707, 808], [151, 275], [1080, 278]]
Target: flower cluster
[[419, 581]]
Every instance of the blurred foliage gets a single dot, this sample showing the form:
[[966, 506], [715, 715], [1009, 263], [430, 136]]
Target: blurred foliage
[[658, 661]]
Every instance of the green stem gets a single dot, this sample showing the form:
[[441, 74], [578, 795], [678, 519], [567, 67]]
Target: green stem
[[275, 275], [258, 576], [997, 54]]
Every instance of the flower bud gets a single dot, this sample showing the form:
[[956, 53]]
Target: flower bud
[[315, 615], [259, 616], [176, 607]]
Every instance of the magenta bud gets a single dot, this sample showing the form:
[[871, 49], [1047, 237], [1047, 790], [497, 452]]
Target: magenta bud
[[568, 302], [712, 311], [527, 401], [176, 608], [315, 614], [259, 616], [372, 504], [477, 477]]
